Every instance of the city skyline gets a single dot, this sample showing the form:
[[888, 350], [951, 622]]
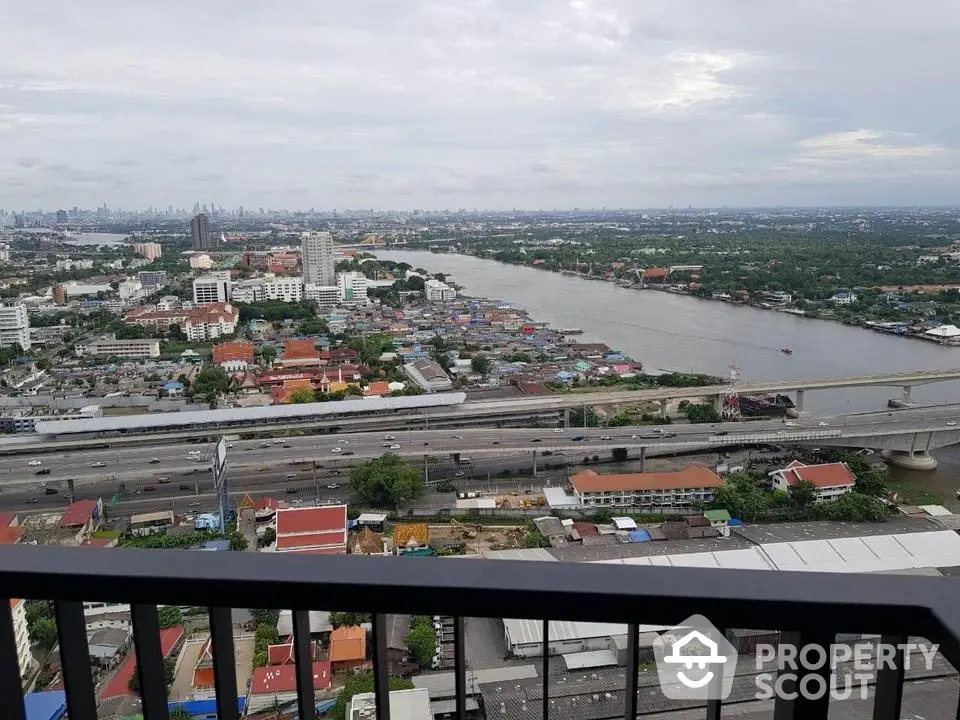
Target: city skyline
[[588, 104]]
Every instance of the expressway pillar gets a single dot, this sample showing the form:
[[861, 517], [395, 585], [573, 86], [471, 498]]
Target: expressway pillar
[[534, 463], [566, 417], [906, 394], [643, 458], [916, 460], [799, 403], [663, 407], [718, 404]]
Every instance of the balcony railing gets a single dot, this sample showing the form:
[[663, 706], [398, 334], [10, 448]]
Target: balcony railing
[[807, 608]]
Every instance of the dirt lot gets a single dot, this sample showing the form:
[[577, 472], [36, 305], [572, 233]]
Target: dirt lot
[[489, 537]]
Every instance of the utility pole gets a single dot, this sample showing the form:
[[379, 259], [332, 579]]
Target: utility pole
[[196, 482]]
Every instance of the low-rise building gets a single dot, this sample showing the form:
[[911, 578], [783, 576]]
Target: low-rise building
[[436, 291], [21, 636], [318, 530], [277, 684], [353, 287], [348, 648], [323, 295], [211, 321], [830, 480], [428, 375], [110, 345], [413, 704], [212, 288], [84, 516], [236, 356], [692, 484]]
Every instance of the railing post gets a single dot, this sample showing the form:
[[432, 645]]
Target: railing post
[[306, 693], [715, 707], [545, 669], [11, 688], [381, 674], [632, 686], [146, 642], [224, 664], [792, 704], [75, 660], [460, 666], [888, 696]]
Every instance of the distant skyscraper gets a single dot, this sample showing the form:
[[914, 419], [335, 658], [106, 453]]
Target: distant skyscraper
[[61, 216], [316, 254], [200, 232]]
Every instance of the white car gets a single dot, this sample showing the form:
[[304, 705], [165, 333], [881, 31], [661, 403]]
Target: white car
[[389, 437], [790, 424], [193, 504], [34, 463], [337, 450], [823, 423], [951, 422], [606, 437], [558, 429], [279, 441], [99, 464], [394, 447]]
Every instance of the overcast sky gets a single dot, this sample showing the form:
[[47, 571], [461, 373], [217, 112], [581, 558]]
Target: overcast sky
[[479, 103]]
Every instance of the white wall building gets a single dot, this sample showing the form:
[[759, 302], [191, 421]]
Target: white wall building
[[149, 250], [14, 325], [141, 348], [286, 289], [316, 256], [830, 480], [211, 322], [201, 261], [4, 252], [212, 288], [21, 636], [413, 704], [436, 291], [323, 295], [352, 287]]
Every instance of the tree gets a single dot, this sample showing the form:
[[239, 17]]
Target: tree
[[803, 494], [169, 616], [620, 455], [386, 482], [348, 619], [480, 365], [301, 397], [268, 538], [421, 641], [238, 541], [363, 683], [267, 353], [175, 333], [44, 632], [210, 382], [180, 713], [699, 414]]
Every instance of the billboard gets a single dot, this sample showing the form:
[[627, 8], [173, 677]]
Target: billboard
[[220, 482]]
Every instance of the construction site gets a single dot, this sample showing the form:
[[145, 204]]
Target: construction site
[[455, 538]]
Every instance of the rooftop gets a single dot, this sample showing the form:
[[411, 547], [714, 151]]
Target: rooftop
[[692, 476], [822, 476], [283, 678], [348, 643]]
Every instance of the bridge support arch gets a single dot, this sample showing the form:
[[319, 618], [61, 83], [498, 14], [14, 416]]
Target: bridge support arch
[[916, 460]]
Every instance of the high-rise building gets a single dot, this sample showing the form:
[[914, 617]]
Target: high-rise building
[[316, 254], [14, 325], [61, 216], [212, 288], [148, 250], [200, 232]]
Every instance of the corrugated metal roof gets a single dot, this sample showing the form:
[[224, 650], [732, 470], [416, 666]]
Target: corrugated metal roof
[[522, 554], [525, 632], [590, 659], [252, 414]]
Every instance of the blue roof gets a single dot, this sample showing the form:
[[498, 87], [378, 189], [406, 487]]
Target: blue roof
[[639, 536], [49, 705], [203, 707], [735, 522], [173, 385]]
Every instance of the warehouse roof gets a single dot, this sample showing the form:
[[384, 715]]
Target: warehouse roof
[[526, 632]]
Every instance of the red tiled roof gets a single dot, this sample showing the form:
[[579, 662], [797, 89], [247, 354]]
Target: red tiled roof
[[348, 643], [78, 513], [300, 349], [267, 503], [238, 350], [7, 517], [331, 537], [378, 388], [10, 535], [283, 654], [827, 475], [275, 679], [656, 272], [311, 520], [318, 551], [120, 683], [692, 476]]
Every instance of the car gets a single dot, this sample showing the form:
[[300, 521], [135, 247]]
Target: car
[[790, 424], [333, 486], [279, 441], [823, 423], [951, 423], [50, 491], [722, 432], [495, 442], [336, 450], [456, 437], [31, 501], [545, 453], [149, 488], [291, 476], [394, 447], [389, 437], [163, 480], [349, 452], [184, 487], [263, 468], [634, 437], [386, 445], [229, 445], [34, 463], [606, 437], [333, 472], [154, 461], [250, 447], [195, 503], [42, 471], [558, 430], [536, 440], [98, 464], [265, 445], [580, 438]]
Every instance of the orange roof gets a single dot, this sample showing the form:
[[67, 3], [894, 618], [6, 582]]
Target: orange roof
[[10, 535], [348, 643], [14, 602], [692, 476], [378, 388], [238, 350], [827, 475], [405, 532], [300, 349], [656, 272]]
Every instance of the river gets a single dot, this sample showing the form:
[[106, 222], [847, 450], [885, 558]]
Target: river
[[677, 332]]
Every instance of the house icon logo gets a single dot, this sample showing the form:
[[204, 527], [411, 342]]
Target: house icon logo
[[695, 661]]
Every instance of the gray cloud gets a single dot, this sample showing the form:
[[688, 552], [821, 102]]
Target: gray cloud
[[480, 103]]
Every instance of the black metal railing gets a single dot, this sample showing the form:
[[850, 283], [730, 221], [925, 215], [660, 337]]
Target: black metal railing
[[807, 608]]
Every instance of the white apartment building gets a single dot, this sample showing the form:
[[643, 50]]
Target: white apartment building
[[212, 288], [211, 322], [436, 291], [201, 261], [316, 256], [24, 657], [287, 289], [148, 250], [247, 291], [692, 484], [323, 295], [106, 346], [14, 325], [4, 252], [352, 287]]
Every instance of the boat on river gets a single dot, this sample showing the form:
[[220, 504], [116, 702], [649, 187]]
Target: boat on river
[[786, 351]]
